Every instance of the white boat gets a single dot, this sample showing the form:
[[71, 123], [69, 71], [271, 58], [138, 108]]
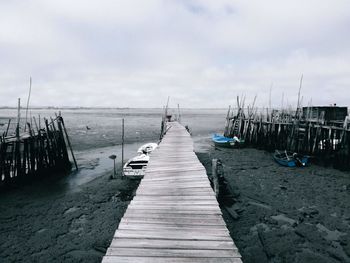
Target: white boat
[[147, 148], [136, 167]]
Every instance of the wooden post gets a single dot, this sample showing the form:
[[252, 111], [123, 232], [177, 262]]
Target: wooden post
[[113, 157], [62, 142], [8, 126], [17, 161], [122, 147], [18, 118], [30, 90], [227, 123], [178, 112], [49, 145], [216, 185], [68, 141]]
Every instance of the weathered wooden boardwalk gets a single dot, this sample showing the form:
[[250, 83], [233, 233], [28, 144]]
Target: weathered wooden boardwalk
[[174, 216]]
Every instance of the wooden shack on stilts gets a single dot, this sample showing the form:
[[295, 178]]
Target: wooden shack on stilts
[[321, 132]]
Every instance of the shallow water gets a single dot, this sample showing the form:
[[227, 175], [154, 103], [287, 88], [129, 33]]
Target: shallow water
[[96, 134]]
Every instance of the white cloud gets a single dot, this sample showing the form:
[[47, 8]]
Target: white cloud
[[201, 53]]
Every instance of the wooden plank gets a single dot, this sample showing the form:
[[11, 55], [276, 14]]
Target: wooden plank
[[164, 252], [174, 176], [154, 227], [175, 204], [177, 244], [195, 223], [173, 235], [175, 184], [204, 221], [176, 193], [172, 197], [175, 163], [132, 259], [132, 210], [170, 202], [154, 208], [175, 169], [168, 177], [179, 216], [179, 186], [189, 190]]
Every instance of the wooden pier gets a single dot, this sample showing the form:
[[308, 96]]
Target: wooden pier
[[174, 216]]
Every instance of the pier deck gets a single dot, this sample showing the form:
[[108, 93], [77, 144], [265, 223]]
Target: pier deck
[[174, 216]]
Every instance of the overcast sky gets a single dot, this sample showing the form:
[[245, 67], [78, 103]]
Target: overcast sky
[[200, 53]]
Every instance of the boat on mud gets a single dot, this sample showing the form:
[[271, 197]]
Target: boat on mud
[[136, 167], [147, 148], [222, 141], [290, 159]]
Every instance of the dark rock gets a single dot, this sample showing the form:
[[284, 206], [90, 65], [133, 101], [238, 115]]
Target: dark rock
[[308, 211], [255, 253], [346, 248], [309, 232], [283, 187]]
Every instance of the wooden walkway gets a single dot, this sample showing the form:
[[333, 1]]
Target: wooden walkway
[[174, 216]]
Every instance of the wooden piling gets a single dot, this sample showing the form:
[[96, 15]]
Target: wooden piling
[[326, 141], [24, 156]]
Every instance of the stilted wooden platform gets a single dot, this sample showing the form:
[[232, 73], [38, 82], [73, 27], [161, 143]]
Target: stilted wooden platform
[[174, 216]]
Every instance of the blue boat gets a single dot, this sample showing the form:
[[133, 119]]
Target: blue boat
[[223, 141], [290, 159]]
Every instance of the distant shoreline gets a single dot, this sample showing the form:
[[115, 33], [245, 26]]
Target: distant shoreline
[[98, 108]]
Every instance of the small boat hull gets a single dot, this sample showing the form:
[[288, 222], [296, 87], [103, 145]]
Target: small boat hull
[[222, 141], [290, 159], [147, 148], [136, 167]]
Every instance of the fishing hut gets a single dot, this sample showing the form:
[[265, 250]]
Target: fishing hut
[[33, 150], [322, 132], [325, 114]]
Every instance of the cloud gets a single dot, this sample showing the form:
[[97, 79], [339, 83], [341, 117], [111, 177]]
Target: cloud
[[201, 53]]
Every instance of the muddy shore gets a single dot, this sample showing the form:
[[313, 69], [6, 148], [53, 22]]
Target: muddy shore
[[278, 214], [284, 214], [42, 222]]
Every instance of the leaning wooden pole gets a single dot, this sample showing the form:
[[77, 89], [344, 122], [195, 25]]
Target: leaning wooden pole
[[30, 91], [122, 146], [69, 144], [298, 104], [8, 127]]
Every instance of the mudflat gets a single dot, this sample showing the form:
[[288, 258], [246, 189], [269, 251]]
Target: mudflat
[[282, 214], [45, 222]]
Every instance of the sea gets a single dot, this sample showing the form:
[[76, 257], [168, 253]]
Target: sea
[[95, 133]]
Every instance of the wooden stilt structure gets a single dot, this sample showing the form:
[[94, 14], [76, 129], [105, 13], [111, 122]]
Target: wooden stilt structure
[[328, 141], [26, 155]]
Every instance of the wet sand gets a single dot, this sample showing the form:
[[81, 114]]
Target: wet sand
[[45, 222], [285, 214]]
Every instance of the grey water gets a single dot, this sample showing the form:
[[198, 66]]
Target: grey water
[[96, 134]]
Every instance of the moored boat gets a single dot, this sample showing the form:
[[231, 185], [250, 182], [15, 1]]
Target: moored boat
[[147, 148], [223, 141], [136, 167], [290, 159]]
